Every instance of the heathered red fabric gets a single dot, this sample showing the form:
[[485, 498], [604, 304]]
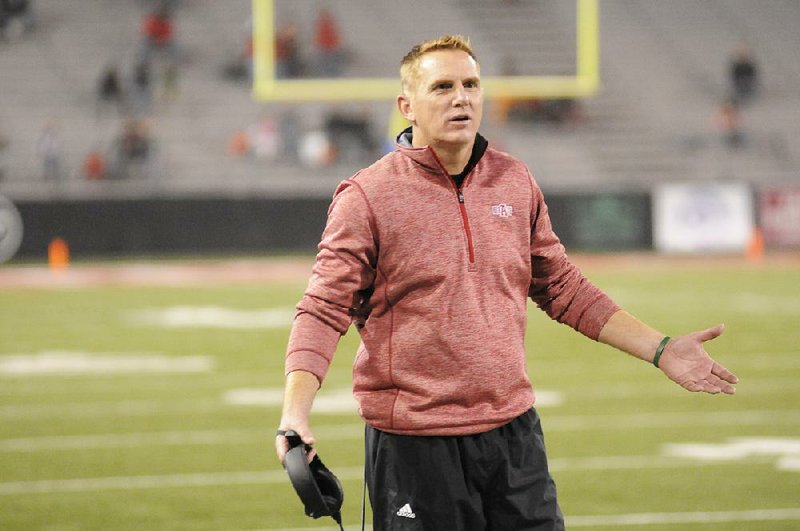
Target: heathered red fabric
[[442, 335]]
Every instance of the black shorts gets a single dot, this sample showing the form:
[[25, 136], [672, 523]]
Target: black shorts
[[497, 480]]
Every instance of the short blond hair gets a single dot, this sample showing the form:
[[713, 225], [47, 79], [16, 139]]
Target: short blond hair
[[409, 66]]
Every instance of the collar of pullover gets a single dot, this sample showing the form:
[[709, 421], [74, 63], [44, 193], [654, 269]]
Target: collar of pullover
[[426, 157]]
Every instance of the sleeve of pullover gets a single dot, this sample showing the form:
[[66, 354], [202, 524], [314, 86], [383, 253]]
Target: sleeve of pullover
[[557, 286], [340, 282]]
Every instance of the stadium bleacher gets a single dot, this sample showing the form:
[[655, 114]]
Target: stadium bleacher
[[663, 69]]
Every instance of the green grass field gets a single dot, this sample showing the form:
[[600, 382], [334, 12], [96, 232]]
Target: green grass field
[[176, 431]]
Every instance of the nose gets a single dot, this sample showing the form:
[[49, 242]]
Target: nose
[[461, 97]]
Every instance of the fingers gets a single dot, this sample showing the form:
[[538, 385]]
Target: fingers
[[282, 444], [711, 384], [724, 373], [710, 333], [701, 386], [281, 447]]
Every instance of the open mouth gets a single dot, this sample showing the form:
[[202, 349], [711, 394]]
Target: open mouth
[[460, 118]]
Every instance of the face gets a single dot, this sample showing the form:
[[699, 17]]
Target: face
[[445, 102]]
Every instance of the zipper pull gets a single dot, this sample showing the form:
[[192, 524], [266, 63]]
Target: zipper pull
[[460, 197]]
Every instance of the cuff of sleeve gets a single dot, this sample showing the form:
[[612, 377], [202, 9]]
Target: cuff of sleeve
[[596, 317], [304, 360], [311, 346]]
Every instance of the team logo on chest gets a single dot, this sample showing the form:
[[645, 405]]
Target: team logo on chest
[[503, 210]]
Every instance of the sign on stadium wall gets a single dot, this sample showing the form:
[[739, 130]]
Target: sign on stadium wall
[[702, 217], [779, 216]]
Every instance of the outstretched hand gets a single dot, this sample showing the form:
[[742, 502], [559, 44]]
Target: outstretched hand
[[686, 363]]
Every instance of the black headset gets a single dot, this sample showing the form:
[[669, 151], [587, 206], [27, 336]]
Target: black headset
[[317, 487]]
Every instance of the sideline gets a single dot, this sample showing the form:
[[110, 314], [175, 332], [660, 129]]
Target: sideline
[[166, 273], [191, 272]]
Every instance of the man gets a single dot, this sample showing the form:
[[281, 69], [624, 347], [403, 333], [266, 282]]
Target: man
[[432, 252], [743, 72]]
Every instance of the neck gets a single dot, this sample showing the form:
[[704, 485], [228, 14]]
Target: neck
[[454, 157]]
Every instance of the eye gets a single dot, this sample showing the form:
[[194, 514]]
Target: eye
[[443, 86]]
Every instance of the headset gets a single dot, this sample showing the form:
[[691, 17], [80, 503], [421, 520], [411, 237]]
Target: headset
[[318, 488]]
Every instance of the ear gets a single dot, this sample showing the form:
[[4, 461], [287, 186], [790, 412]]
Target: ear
[[405, 107]]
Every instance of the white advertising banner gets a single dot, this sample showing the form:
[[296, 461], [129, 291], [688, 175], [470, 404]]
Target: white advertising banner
[[702, 217]]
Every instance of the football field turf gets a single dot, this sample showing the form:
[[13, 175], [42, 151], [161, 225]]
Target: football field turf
[[146, 396]]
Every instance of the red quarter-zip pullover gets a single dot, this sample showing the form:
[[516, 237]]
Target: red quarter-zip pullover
[[437, 279]]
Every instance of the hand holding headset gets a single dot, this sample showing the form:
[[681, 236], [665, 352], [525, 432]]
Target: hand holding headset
[[318, 488]]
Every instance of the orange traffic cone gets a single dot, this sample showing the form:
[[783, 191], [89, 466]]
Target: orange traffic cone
[[755, 247], [58, 254]]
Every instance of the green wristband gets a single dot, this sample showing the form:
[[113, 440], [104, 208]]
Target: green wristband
[[660, 349]]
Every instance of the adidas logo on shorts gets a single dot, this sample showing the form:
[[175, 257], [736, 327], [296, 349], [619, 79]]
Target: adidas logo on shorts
[[406, 512]]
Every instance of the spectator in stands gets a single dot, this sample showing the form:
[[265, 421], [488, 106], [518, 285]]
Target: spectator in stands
[[241, 67], [728, 123], [158, 32], [141, 88], [94, 165], [315, 150], [133, 151], [351, 135], [109, 91], [49, 148], [238, 144], [288, 62], [16, 14], [562, 111], [328, 41], [264, 139], [743, 72]]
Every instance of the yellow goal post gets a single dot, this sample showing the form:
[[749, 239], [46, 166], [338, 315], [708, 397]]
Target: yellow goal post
[[266, 87]]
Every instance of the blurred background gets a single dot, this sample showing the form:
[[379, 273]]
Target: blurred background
[[158, 223], [130, 127]]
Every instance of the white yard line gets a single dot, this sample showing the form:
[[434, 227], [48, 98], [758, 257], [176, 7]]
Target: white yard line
[[168, 438], [60, 363], [125, 408], [344, 473], [639, 462], [52, 486], [757, 515], [126, 440], [552, 423], [212, 317], [639, 519]]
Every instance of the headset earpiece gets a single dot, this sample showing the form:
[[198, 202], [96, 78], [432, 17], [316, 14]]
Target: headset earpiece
[[318, 488], [329, 486]]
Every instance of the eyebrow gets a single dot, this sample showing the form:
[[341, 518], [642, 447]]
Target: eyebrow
[[471, 79]]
